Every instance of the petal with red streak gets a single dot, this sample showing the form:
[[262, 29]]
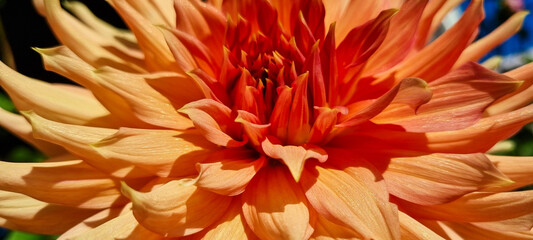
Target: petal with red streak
[[411, 91], [400, 39], [436, 59], [478, 86], [252, 127], [214, 120]]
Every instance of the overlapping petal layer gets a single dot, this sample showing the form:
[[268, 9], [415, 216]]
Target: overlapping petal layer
[[269, 119]]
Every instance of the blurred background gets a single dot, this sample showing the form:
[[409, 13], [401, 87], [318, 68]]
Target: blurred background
[[22, 28]]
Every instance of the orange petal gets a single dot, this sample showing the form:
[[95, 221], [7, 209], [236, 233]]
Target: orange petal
[[299, 126], [345, 199], [77, 139], [519, 224], [184, 58], [84, 41], [214, 120], [324, 124], [440, 178], [63, 61], [18, 126], [294, 157], [228, 176], [423, 30], [279, 118], [414, 230], [177, 208], [518, 169], [137, 93], [51, 101], [151, 41], [157, 12], [438, 57], [204, 57], [171, 153], [69, 182], [521, 97], [230, 226], [178, 88], [275, 207], [326, 230], [117, 41], [400, 38], [341, 12], [479, 88], [95, 220], [362, 42], [202, 21], [20, 212], [478, 49], [252, 127], [475, 207], [124, 226], [479, 137], [469, 231], [411, 91]]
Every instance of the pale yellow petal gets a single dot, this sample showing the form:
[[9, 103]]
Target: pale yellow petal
[[414, 230], [18, 126], [230, 226], [177, 208], [275, 206], [85, 42], [345, 199], [71, 183], [51, 101], [77, 140], [124, 226], [170, 153], [157, 54], [20, 212]]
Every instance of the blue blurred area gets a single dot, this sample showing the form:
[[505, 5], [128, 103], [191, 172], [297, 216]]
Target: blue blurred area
[[518, 46]]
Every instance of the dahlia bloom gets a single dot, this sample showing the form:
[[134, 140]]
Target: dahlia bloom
[[271, 119]]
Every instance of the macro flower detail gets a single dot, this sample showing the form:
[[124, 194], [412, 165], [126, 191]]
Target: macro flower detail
[[269, 119]]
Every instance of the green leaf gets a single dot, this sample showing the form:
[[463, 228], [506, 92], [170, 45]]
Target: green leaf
[[6, 103], [14, 235]]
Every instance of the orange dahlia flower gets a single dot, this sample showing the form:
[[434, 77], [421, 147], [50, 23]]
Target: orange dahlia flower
[[271, 119]]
